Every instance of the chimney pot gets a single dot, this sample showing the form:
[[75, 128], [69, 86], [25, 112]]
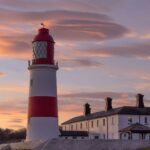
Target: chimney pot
[[87, 109], [108, 102], [139, 101]]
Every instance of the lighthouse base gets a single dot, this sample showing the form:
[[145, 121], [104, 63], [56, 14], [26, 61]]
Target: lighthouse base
[[42, 128]]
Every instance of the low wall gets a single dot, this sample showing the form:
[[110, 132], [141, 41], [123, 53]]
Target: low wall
[[60, 144]]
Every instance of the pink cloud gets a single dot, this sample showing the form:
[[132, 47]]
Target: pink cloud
[[78, 26], [2, 74]]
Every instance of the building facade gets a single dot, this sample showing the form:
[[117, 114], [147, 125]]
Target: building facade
[[126, 122]]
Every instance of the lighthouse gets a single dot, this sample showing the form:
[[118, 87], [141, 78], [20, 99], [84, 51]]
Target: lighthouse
[[42, 106]]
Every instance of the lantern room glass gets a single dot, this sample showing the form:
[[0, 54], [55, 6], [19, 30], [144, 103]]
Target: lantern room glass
[[39, 50]]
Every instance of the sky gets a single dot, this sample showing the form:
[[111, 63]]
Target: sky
[[102, 48]]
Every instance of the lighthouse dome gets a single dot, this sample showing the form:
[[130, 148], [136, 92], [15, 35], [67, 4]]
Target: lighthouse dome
[[43, 35]]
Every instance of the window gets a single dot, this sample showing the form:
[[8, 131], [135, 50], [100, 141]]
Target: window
[[31, 82], [71, 127], [129, 136], [129, 120], [96, 137], [103, 122], [99, 136], [39, 50], [76, 126], [86, 125], [145, 120], [103, 136], [97, 123], [112, 120], [92, 124], [143, 136], [81, 125]]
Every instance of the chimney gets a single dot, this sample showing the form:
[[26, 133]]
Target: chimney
[[87, 109], [108, 104], [139, 101]]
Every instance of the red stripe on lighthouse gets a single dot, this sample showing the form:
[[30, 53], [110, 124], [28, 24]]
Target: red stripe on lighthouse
[[43, 106]]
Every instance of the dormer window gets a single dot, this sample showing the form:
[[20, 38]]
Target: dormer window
[[39, 49]]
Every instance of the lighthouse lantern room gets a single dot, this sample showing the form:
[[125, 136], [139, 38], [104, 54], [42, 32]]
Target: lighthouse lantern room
[[42, 107]]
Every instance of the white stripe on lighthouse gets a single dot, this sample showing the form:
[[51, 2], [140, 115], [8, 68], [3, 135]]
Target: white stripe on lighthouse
[[42, 128], [43, 82]]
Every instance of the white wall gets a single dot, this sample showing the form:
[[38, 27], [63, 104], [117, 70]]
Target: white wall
[[114, 125], [113, 122], [96, 127], [142, 120], [123, 120]]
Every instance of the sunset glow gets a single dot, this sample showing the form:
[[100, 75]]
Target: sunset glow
[[102, 48]]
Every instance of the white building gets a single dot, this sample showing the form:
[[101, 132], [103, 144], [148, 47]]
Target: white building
[[128, 122]]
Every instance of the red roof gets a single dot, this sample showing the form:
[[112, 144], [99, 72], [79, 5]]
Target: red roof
[[43, 35]]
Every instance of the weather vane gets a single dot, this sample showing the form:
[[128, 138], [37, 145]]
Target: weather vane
[[42, 24]]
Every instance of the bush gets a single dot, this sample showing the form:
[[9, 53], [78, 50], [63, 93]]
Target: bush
[[8, 135]]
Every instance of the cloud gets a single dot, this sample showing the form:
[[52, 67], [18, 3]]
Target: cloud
[[78, 63], [97, 95], [2, 74], [12, 115], [15, 120], [13, 88], [91, 29], [13, 48], [75, 25], [72, 101], [94, 5], [71, 104], [143, 86], [53, 15], [17, 32], [18, 105], [16, 126], [136, 50]]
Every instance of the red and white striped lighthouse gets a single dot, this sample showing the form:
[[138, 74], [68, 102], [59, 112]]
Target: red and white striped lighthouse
[[42, 109]]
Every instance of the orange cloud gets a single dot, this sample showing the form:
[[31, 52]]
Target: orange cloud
[[71, 104], [2, 74], [16, 37], [13, 113], [14, 120], [14, 49], [136, 50], [8, 88], [143, 86]]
